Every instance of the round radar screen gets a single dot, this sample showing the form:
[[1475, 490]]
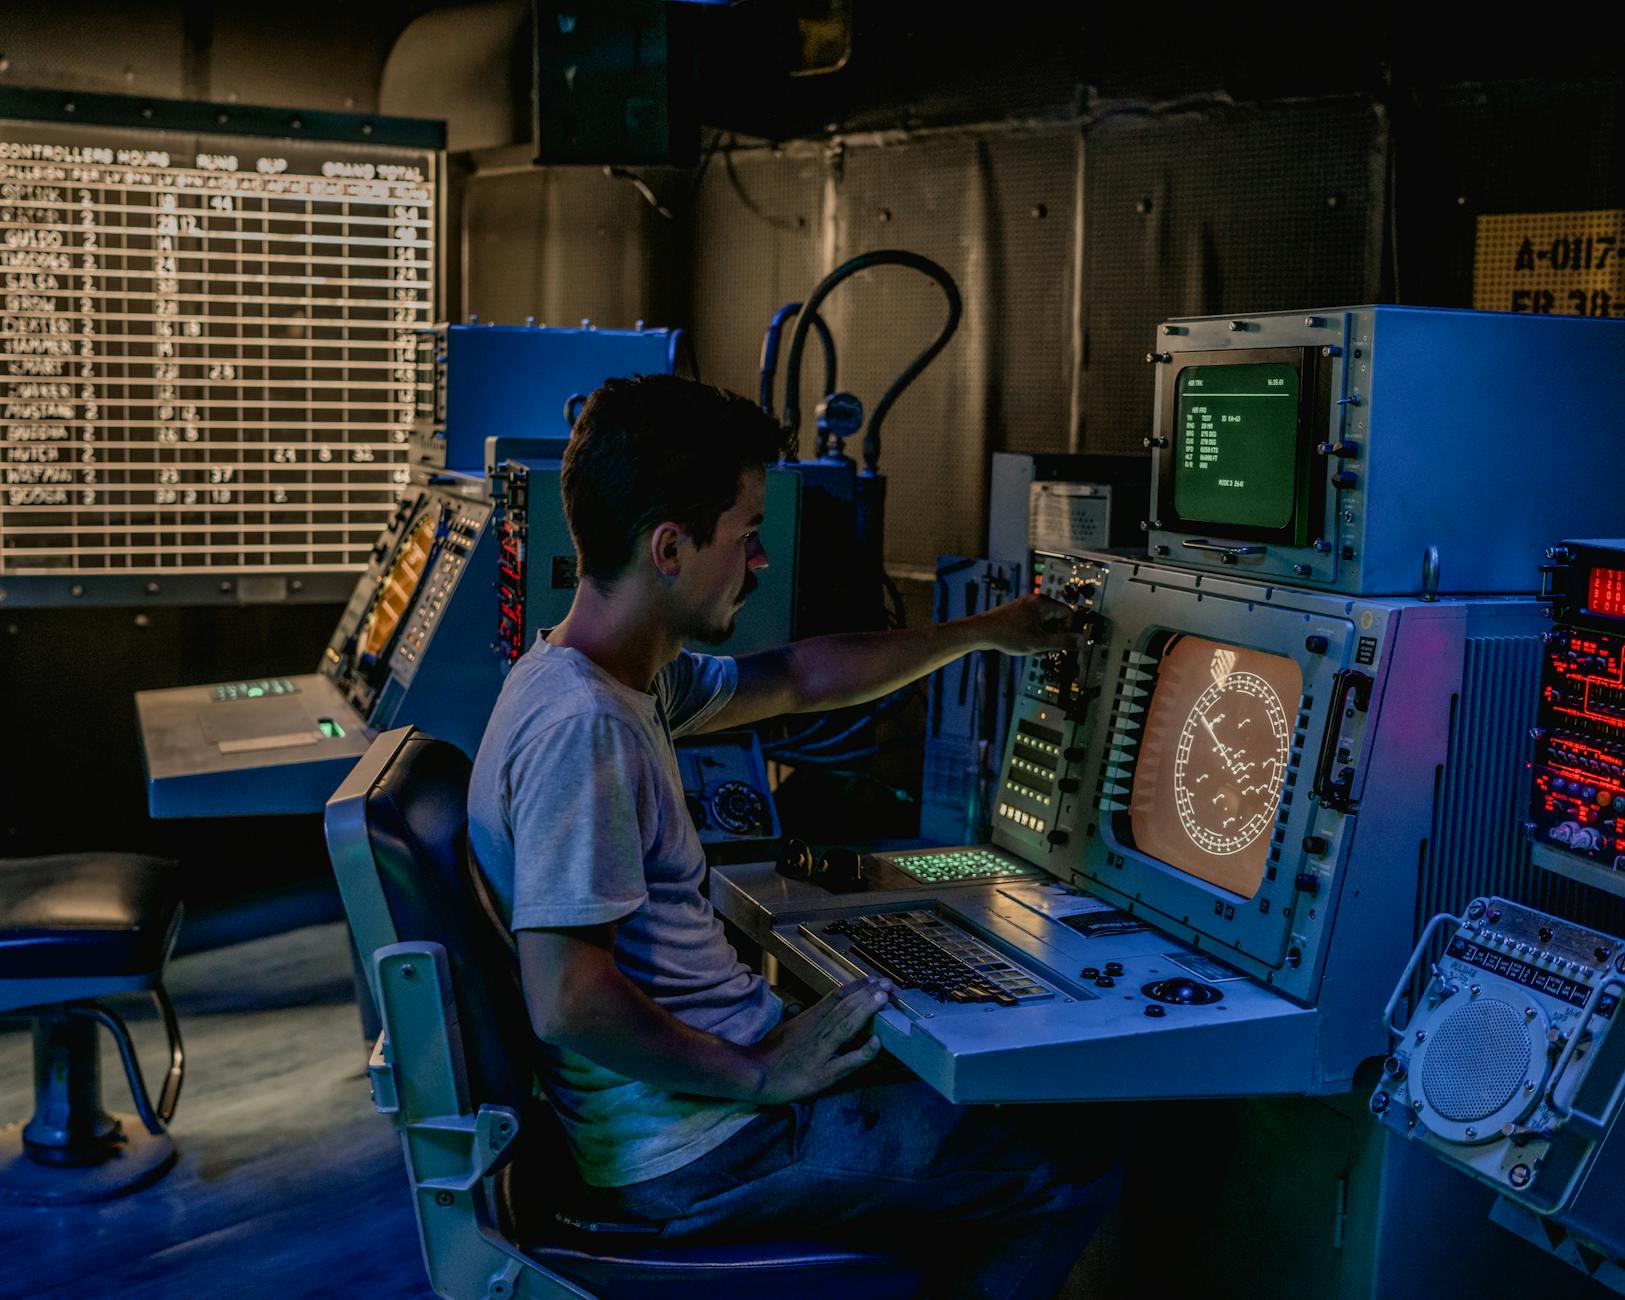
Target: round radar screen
[[1230, 761], [1213, 759]]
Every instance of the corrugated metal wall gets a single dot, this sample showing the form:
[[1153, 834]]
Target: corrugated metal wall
[[1215, 209], [1070, 241], [564, 244]]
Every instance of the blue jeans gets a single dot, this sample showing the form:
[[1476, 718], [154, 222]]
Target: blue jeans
[[990, 1201]]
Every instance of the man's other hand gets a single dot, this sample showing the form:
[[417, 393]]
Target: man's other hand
[[803, 1056], [1029, 625]]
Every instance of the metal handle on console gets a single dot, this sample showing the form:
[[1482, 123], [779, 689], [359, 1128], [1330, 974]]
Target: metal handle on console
[[1351, 688], [1230, 552], [1565, 1113], [1444, 918]]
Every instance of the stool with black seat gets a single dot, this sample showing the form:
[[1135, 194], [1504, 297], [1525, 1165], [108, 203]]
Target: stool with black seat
[[76, 928], [455, 1070]]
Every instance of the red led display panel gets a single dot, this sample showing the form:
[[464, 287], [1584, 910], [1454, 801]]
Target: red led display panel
[[1607, 592]]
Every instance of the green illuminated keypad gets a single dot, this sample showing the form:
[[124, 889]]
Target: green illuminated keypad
[[951, 866], [255, 690]]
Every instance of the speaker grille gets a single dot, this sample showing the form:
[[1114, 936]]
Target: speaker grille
[[1478, 1058]]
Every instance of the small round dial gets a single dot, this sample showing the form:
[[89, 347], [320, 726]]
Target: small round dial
[[1231, 758], [739, 808]]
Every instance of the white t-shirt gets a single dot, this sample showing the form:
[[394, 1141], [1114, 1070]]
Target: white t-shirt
[[577, 817]]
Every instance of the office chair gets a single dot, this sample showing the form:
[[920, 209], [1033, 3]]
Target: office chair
[[454, 1070], [76, 928]]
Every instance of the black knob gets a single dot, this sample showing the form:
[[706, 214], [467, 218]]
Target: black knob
[[1155, 1010], [1316, 644], [1601, 953], [1345, 478], [1067, 785], [1495, 916], [1316, 844], [1057, 836], [1073, 753], [1105, 982], [1114, 968], [1090, 972], [795, 860], [839, 870], [1545, 933], [1071, 592], [1475, 909], [1308, 882]]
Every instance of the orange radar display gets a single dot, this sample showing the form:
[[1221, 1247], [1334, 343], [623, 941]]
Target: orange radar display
[[1217, 741]]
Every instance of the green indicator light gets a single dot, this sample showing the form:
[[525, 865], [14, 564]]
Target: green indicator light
[[254, 692], [331, 729]]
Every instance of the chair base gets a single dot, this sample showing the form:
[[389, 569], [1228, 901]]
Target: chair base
[[138, 1158]]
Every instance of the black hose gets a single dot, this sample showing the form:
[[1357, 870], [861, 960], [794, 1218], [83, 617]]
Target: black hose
[[770, 353], [798, 340]]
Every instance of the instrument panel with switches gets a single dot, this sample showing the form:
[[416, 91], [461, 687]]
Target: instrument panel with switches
[[1576, 822]]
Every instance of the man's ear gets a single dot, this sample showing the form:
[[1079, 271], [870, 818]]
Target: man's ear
[[666, 549]]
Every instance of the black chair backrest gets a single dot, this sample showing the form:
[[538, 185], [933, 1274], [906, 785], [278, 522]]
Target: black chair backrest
[[417, 823]]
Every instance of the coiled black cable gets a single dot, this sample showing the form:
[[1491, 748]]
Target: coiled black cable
[[770, 353], [798, 340]]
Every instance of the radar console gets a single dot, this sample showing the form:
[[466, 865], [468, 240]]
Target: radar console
[[1226, 780]]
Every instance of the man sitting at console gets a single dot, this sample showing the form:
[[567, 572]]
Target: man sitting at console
[[689, 1099]]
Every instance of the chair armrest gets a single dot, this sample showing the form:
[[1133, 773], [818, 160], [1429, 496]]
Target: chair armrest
[[419, 1076]]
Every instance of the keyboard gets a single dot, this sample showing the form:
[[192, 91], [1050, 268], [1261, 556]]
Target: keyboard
[[954, 866], [917, 949]]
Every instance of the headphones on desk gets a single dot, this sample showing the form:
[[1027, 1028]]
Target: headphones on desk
[[838, 869]]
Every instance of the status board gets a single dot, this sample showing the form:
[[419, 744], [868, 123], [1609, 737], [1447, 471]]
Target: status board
[[208, 368]]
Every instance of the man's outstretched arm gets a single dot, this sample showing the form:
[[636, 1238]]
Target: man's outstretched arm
[[831, 672]]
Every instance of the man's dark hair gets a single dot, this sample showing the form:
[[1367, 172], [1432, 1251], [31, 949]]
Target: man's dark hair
[[653, 448]]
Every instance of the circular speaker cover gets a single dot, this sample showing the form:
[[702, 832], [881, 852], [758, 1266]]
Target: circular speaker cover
[[1476, 1064]]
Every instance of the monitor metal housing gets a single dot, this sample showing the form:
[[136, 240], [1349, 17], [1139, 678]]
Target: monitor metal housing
[[1442, 446]]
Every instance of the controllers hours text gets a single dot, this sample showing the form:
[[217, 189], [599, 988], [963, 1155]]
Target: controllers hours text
[[207, 360]]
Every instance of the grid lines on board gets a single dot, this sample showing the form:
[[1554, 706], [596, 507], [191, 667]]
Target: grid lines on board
[[207, 349]]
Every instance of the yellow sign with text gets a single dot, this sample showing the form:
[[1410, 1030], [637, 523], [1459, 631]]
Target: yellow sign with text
[[1551, 263]]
